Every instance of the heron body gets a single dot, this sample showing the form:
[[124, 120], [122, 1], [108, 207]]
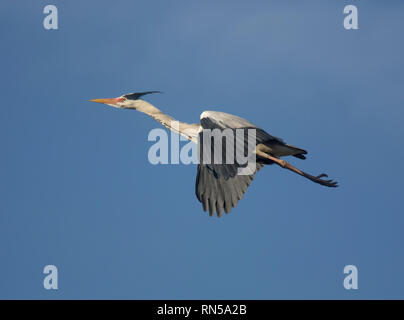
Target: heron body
[[219, 186]]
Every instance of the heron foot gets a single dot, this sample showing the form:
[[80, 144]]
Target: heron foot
[[328, 183]]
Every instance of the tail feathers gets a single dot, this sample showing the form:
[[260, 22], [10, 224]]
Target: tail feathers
[[300, 156], [297, 152]]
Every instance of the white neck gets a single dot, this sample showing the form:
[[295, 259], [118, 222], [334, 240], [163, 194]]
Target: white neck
[[187, 130]]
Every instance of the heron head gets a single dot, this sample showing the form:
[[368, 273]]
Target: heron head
[[126, 101]]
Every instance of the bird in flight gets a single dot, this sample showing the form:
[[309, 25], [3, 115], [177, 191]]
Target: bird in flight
[[218, 185]]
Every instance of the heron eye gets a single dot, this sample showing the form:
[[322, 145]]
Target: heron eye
[[122, 99]]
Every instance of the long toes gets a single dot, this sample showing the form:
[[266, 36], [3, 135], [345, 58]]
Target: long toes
[[330, 183], [334, 184], [322, 176]]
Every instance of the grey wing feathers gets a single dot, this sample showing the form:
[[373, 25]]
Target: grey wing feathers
[[217, 193], [218, 186], [216, 119]]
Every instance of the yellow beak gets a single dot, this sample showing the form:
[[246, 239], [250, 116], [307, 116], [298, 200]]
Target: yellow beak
[[106, 101]]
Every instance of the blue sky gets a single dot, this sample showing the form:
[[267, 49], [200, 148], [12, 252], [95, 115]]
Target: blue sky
[[77, 190]]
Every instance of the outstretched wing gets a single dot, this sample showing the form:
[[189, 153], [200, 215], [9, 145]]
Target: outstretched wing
[[219, 186], [217, 193]]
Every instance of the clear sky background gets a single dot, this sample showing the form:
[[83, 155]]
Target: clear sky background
[[77, 190]]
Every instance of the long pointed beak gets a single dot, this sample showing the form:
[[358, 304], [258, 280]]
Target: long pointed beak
[[107, 101]]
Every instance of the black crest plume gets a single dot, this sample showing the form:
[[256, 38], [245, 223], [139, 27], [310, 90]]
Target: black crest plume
[[137, 95]]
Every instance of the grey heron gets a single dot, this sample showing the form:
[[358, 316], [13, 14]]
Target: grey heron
[[218, 186]]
